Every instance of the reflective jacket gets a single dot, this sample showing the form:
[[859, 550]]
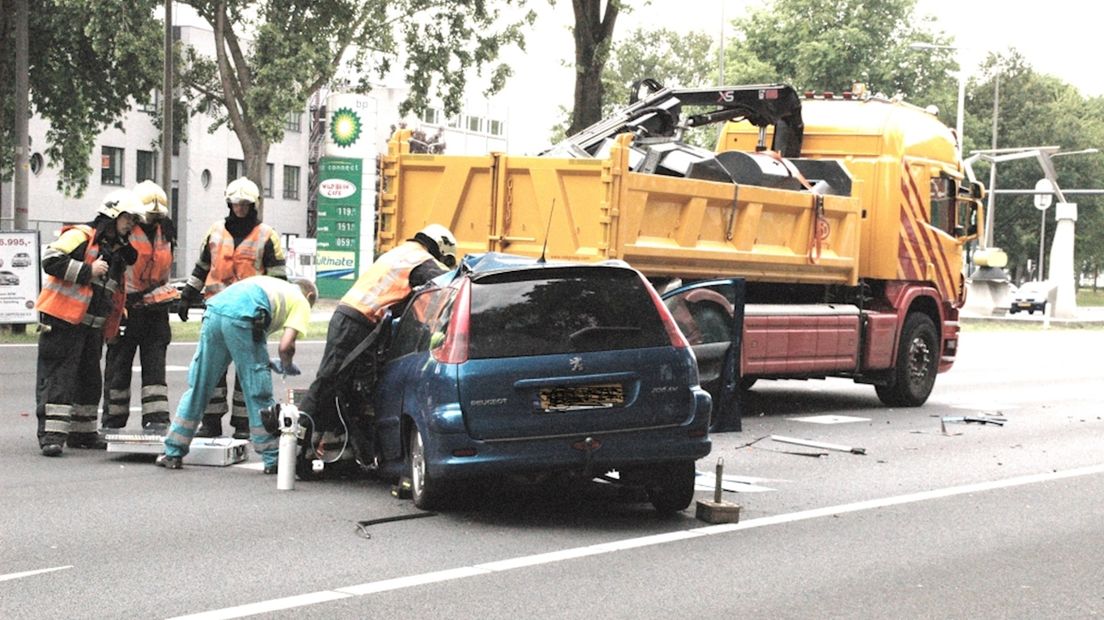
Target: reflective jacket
[[149, 275], [230, 264], [68, 300], [387, 281]]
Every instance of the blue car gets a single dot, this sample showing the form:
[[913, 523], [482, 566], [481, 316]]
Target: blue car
[[514, 366]]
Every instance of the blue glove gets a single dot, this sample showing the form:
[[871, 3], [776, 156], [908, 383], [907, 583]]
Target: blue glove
[[290, 370]]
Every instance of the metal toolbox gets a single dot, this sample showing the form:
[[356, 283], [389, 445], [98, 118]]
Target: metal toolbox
[[215, 451]]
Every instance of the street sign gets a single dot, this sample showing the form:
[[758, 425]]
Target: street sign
[[1043, 201]]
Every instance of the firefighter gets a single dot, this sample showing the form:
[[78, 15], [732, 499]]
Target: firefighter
[[235, 328], [148, 295], [235, 248], [81, 302], [386, 283]]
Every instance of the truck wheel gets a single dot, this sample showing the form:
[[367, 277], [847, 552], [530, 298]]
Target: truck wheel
[[917, 364], [671, 488], [424, 489]]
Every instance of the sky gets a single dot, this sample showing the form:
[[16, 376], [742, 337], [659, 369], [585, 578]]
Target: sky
[[1054, 36]]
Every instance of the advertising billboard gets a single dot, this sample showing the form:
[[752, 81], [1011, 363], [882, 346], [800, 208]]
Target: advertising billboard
[[20, 276]]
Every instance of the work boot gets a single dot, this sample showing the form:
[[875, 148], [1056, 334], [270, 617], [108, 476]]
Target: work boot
[[51, 449], [271, 469], [210, 427], [241, 431], [169, 462], [86, 441]]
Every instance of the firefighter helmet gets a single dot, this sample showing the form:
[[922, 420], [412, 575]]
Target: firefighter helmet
[[121, 201], [441, 243], [242, 190], [153, 197]]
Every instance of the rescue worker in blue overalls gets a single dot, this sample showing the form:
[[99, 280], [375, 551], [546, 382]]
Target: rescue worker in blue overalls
[[81, 303], [235, 328], [148, 296], [235, 248]]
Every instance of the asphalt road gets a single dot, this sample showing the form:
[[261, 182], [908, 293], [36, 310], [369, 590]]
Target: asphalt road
[[978, 521]]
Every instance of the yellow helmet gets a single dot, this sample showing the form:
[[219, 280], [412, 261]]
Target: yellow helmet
[[152, 197], [121, 201], [242, 190]]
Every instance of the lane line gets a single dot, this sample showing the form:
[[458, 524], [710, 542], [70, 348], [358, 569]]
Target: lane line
[[487, 568], [31, 573]]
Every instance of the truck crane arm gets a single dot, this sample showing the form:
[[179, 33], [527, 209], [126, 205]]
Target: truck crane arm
[[655, 111]]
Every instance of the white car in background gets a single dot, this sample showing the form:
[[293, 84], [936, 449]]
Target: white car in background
[[1031, 296]]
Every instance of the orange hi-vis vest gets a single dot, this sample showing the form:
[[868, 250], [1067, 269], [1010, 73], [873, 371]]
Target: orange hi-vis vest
[[387, 281], [150, 273], [230, 264], [69, 301]]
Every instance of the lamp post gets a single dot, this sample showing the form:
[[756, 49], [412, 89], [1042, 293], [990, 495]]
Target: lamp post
[[961, 106]]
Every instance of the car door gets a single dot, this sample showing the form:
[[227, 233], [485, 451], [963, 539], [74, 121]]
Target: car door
[[711, 317]]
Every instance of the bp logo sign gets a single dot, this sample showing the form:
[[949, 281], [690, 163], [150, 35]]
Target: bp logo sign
[[344, 127]]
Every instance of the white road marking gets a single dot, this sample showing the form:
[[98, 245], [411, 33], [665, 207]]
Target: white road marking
[[385, 585], [829, 419], [31, 573]]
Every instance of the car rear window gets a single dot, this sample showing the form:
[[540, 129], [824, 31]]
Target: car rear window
[[561, 311]]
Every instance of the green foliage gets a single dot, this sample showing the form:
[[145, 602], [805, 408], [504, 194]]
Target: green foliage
[[280, 52], [831, 44], [88, 59], [1038, 110]]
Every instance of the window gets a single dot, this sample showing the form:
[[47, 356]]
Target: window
[[293, 122], [111, 166], [494, 127], [474, 123], [270, 180], [151, 105], [37, 162], [235, 169], [291, 182], [942, 199], [147, 166], [522, 313], [431, 116], [414, 326]]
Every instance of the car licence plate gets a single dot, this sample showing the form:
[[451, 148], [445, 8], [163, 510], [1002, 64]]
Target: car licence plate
[[582, 397]]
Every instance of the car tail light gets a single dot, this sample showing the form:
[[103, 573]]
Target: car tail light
[[673, 332], [454, 350]]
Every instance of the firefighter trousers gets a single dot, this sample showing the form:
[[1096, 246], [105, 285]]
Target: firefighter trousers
[[342, 336], [224, 339], [148, 334], [68, 384]]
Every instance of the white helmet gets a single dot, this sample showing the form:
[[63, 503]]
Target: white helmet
[[242, 190], [121, 201], [443, 243], [153, 197]]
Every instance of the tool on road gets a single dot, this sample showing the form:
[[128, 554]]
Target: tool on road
[[976, 419], [817, 444], [213, 451], [362, 526], [718, 510]]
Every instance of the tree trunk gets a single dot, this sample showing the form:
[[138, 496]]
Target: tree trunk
[[255, 152], [593, 34]]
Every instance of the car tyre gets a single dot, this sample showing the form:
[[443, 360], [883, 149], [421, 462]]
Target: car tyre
[[671, 488], [425, 490], [917, 364]]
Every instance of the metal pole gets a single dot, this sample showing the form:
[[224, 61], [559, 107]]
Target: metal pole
[[721, 80], [961, 112], [1042, 239], [167, 108], [22, 119], [989, 217]]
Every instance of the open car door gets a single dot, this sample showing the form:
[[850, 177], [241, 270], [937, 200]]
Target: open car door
[[711, 316]]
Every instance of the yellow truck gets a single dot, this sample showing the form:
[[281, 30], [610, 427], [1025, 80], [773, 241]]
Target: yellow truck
[[846, 216]]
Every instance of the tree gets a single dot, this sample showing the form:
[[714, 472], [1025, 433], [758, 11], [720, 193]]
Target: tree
[[90, 60], [831, 44], [272, 55], [593, 33], [1038, 110]]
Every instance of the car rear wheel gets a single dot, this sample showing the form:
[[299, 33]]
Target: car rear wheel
[[424, 489], [671, 487], [917, 364]]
